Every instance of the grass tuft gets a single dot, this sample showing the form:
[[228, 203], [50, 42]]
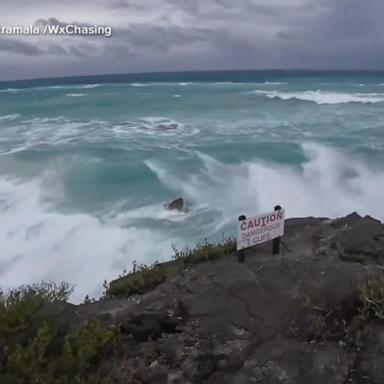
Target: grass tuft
[[204, 251], [142, 280], [372, 298]]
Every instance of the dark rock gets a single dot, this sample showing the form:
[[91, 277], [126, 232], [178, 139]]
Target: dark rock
[[145, 325], [281, 361], [177, 205], [361, 241], [371, 362], [279, 319], [201, 363], [347, 220]]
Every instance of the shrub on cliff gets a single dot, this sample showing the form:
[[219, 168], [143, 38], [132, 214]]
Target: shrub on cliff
[[144, 278], [204, 251], [372, 298], [141, 280], [37, 344], [20, 308]]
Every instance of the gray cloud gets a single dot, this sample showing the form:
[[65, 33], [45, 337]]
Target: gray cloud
[[159, 35], [14, 46]]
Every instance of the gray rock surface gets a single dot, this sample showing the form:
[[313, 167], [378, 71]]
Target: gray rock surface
[[274, 319]]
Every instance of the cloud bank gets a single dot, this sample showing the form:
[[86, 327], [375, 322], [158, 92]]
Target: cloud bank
[[169, 35]]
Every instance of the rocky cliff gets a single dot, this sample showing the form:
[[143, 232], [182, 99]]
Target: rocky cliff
[[312, 314]]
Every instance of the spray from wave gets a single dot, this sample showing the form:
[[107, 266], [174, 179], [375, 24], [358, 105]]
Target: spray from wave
[[37, 242], [9, 117], [329, 183]]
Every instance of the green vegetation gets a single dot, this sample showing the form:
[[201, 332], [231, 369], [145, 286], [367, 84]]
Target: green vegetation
[[37, 342], [204, 252], [345, 325], [42, 342], [371, 299], [143, 279]]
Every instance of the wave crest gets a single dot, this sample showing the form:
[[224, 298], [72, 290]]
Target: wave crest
[[325, 97], [39, 243], [329, 183]]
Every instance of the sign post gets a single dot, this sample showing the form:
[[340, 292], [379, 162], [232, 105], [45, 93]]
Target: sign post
[[276, 241], [240, 252], [262, 228]]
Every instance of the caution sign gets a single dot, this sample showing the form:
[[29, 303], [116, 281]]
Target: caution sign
[[260, 229]]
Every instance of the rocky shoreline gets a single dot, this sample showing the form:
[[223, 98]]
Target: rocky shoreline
[[312, 314]]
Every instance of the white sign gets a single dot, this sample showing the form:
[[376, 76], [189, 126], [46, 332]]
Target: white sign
[[260, 229]]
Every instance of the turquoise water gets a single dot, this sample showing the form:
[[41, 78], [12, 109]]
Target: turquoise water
[[86, 164]]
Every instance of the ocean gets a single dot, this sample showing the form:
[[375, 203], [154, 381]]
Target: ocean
[[87, 164]]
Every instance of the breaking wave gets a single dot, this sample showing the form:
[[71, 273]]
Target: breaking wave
[[75, 94], [329, 183], [159, 126], [325, 97], [11, 90], [59, 130], [91, 86], [37, 242], [272, 83], [139, 85], [9, 117]]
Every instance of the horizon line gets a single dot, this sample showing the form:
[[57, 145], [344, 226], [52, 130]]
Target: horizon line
[[50, 78]]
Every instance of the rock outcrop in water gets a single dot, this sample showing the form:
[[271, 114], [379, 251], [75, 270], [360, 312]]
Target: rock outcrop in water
[[312, 314], [176, 205]]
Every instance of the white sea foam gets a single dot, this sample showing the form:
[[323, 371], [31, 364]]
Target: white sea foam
[[39, 242], [45, 130], [91, 86], [45, 120], [325, 97], [60, 131], [36, 242], [10, 90], [69, 86], [55, 87], [159, 126], [329, 183], [139, 85], [150, 212], [225, 83], [9, 117], [75, 94], [272, 83]]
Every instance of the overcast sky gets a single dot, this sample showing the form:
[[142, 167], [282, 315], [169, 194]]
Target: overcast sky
[[169, 35]]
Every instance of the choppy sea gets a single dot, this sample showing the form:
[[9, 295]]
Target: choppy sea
[[86, 164]]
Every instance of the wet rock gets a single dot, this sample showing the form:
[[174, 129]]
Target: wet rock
[[176, 205]]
